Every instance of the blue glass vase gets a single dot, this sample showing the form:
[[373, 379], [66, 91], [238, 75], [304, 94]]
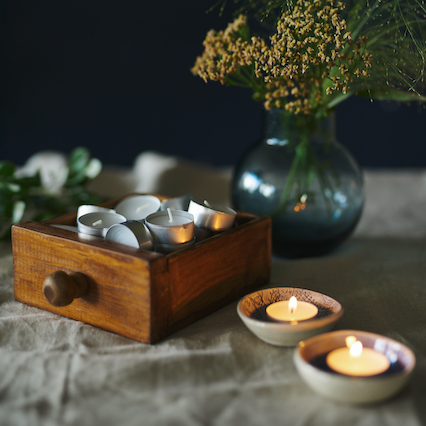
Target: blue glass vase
[[308, 183]]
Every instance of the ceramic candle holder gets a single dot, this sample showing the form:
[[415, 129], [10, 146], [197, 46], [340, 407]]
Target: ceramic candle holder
[[132, 233], [310, 361], [97, 223], [211, 216], [138, 207], [180, 230], [252, 311]]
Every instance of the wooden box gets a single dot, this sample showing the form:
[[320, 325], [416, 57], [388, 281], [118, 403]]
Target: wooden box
[[136, 293]]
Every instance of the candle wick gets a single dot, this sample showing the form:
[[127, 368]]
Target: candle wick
[[169, 212], [98, 222], [207, 204], [142, 207], [291, 310]]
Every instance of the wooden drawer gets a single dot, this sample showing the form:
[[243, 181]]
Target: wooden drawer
[[137, 293]]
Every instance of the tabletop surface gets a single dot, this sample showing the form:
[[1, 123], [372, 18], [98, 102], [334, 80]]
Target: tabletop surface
[[56, 371]]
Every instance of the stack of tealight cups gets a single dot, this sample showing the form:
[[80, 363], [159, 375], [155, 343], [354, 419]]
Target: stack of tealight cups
[[143, 221]]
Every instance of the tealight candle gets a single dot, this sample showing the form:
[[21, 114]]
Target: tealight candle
[[171, 226], [212, 216], [138, 207], [355, 360], [291, 310], [132, 233], [177, 203], [88, 208], [97, 223]]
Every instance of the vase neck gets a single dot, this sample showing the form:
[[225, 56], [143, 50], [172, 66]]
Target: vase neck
[[280, 125]]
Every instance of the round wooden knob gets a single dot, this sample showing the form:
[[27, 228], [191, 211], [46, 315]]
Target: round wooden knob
[[60, 288]]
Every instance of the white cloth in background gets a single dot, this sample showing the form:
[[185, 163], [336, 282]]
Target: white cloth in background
[[159, 174], [58, 372]]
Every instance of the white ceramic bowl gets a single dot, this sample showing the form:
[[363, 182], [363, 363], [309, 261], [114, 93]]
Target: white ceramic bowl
[[354, 390], [252, 311]]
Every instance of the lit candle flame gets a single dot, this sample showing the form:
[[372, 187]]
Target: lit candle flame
[[356, 349], [292, 304], [350, 340]]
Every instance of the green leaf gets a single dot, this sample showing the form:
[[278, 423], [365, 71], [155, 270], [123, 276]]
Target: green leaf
[[14, 187], [7, 169], [93, 168], [392, 95], [18, 211], [76, 178], [10, 187], [337, 99], [78, 159]]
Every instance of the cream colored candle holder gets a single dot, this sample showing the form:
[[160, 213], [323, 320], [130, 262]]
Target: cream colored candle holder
[[309, 359], [252, 311]]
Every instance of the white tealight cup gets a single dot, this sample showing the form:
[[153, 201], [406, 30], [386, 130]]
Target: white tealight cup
[[212, 216], [97, 223], [132, 233], [166, 231], [138, 207], [88, 208]]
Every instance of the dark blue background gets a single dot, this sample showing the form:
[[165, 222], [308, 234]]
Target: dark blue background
[[114, 76]]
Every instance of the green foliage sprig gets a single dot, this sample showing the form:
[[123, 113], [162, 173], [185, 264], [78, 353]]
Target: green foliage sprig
[[26, 198]]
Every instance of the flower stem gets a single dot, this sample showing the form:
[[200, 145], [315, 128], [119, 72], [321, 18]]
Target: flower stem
[[300, 152]]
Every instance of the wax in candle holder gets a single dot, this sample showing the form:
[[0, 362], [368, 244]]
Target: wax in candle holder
[[355, 360], [291, 310]]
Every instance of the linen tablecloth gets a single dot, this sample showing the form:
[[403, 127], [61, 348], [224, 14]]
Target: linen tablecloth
[[56, 371]]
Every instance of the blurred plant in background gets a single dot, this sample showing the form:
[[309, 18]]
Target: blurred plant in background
[[48, 185]]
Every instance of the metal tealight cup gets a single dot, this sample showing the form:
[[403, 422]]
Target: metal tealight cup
[[97, 223], [131, 233], [165, 232], [213, 217]]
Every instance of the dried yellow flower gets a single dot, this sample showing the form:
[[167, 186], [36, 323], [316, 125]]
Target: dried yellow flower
[[298, 66]]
